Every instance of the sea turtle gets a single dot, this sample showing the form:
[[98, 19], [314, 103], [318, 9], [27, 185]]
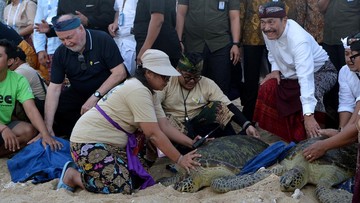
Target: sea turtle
[[224, 156], [336, 166]]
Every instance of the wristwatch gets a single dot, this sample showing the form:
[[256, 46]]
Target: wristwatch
[[238, 44], [308, 114], [97, 94]]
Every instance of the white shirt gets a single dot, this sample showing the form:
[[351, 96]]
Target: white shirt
[[297, 55], [46, 9], [128, 11], [349, 89]]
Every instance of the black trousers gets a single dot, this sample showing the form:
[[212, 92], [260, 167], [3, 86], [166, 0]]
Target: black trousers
[[253, 63], [68, 112], [217, 66]]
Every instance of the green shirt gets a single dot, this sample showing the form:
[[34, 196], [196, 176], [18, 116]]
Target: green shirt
[[207, 22], [14, 88]]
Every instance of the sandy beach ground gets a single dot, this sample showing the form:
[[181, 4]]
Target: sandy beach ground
[[266, 191]]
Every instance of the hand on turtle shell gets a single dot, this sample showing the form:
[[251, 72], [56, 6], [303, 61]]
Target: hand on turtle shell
[[187, 161], [314, 151]]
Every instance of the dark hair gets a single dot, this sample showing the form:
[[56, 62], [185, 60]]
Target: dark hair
[[9, 46], [140, 75], [18, 53]]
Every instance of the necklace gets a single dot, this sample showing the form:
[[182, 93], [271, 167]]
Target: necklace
[[185, 98]]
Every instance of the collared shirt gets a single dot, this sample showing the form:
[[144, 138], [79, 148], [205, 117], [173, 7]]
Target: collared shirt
[[101, 54], [207, 22], [349, 89], [297, 55], [46, 9]]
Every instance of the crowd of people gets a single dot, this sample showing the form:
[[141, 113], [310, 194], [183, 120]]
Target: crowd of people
[[109, 75]]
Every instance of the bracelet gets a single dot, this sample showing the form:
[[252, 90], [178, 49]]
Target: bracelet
[[179, 159], [180, 41], [2, 130]]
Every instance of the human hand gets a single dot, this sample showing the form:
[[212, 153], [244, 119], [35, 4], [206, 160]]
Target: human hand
[[251, 130], [182, 47], [11, 142], [311, 126], [186, 161], [235, 54], [84, 20], [42, 27], [314, 151], [91, 102], [53, 143], [112, 28], [43, 58], [274, 74]]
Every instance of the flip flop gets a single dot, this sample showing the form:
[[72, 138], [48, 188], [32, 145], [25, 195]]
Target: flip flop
[[61, 184]]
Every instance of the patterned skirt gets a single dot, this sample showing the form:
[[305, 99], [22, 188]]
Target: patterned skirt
[[103, 168]]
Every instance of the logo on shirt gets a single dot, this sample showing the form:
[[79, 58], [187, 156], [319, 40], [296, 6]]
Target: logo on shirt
[[7, 99]]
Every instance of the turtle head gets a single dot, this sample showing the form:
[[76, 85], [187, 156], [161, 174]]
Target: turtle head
[[186, 185], [293, 179]]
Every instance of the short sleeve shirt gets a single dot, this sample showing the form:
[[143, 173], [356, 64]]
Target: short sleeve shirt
[[207, 22], [14, 88], [127, 104], [173, 95], [101, 54]]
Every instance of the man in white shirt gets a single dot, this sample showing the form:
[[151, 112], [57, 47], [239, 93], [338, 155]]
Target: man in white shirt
[[301, 73], [45, 47], [121, 31]]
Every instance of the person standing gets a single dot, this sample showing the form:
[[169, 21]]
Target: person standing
[[211, 28], [122, 32], [44, 46], [154, 27]]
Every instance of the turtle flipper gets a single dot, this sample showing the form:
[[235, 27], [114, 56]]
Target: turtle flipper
[[331, 195], [230, 183], [166, 181]]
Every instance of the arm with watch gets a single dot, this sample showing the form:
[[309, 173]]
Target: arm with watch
[[311, 125], [118, 75], [235, 54]]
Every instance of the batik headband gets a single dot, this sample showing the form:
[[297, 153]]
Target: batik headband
[[66, 24], [272, 10]]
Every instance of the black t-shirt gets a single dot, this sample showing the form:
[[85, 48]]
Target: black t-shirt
[[6, 32], [167, 40], [101, 54]]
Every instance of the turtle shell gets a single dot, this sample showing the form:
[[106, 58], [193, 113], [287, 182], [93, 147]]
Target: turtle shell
[[342, 157]]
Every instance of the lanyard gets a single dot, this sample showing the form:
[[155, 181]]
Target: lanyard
[[185, 98], [123, 6], [14, 17]]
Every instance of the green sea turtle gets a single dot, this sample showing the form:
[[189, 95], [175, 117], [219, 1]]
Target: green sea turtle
[[224, 156], [336, 166]]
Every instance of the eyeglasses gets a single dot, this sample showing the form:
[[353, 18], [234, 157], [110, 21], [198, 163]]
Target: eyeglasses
[[82, 61], [352, 58], [188, 78]]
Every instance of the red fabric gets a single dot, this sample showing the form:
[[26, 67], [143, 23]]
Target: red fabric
[[289, 128], [356, 195]]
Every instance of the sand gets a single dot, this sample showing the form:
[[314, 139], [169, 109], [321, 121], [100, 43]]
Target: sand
[[266, 191]]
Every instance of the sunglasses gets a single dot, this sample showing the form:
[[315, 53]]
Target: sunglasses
[[352, 58], [82, 61]]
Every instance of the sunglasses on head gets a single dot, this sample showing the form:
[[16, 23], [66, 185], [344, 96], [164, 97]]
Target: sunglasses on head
[[82, 61], [353, 39]]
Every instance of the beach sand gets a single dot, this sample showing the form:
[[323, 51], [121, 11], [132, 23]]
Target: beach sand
[[267, 191]]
